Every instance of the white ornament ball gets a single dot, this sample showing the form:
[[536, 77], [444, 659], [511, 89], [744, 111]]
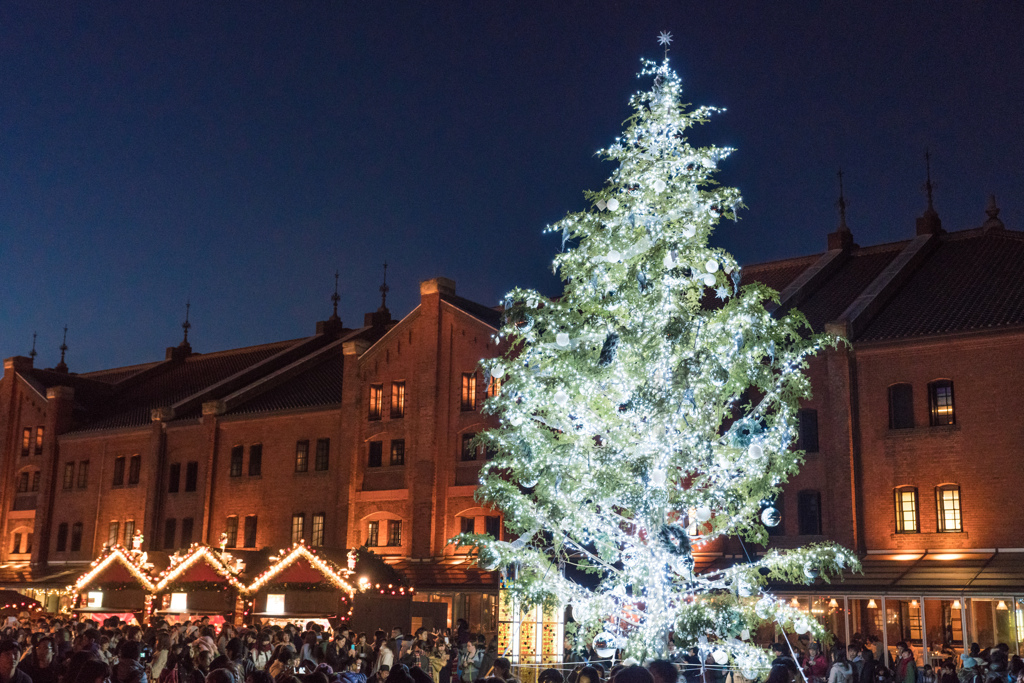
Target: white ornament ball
[[770, 517], [515, 420], [658, 477], [668, 261], [711, 266], [528, 481], [689, 231], [707, 163], [710, 280], [659, 185], [613, 204], [801, 626], [755, 451], [604, 644], [562, 339], [764, 608], [703, 513], [614, 256], [561, 398], [498, 371], [720, 656]]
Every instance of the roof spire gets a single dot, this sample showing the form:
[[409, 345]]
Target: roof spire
[[928, 187], [186, 325], [992, 211], [929, 222], [335, 298], [841, 203], [33, 353], [62, 366], [384, 289]]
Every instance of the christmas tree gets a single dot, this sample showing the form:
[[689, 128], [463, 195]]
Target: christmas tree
[[649, 409]]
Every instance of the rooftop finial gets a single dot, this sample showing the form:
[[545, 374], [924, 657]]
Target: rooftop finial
[[335, 298], [62, 366], [33, 353], [384, 289], [187, 325], [992, 211], [928, 187], [841, 203]]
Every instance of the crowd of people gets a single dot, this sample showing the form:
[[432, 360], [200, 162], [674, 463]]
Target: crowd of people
[[862, 661], [84, 651]]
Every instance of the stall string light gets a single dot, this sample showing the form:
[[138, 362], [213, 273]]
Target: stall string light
[[196, 553], [300, 551], [100, 564]]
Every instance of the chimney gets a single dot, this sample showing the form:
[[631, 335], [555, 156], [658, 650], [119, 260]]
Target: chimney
[[437, 285]]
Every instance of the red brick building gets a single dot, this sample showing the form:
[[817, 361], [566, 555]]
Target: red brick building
[[350, 436], [914, 440]]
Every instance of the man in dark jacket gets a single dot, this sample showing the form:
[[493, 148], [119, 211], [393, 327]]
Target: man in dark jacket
[[129, 669], [10, 654]]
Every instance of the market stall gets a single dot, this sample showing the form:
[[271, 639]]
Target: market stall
[[120, 582], [203, 581]]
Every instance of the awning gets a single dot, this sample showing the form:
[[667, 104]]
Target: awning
[[455, 574], [945, 572]]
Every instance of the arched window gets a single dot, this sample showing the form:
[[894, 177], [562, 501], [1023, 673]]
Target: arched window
[[908, 519], [947, 502], [940, 403], [901, 406]]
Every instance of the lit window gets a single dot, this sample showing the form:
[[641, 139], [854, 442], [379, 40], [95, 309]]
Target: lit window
[[398, 452], [469, 391], [940, 399], [316, 537], [323, 455], [376, 401], [26, 441], [901, 406], [372, 534], [237, 453], [906, 510], [179, 602], [275, 603], [112, 531], [119, 471], [302, 456], [376, 454], [129, 532], [94, 599], [298, 526], [947, 498], [397, 399], [39, 440], [394, 532], [493, 387], [231, 531]]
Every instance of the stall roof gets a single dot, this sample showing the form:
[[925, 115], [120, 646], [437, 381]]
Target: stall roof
[[120, 564], [200, 563], [446, 575]]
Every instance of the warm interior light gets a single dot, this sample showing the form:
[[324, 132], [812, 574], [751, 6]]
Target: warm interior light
[[833, 603], [1001, 605], [872, 604], [179, 602], [914, 603], [946, 556], [275, 603], [794, 602], [907, 556], [95, 599], [956, 604]]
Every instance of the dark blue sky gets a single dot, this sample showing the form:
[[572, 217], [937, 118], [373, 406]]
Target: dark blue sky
[[239, 152]]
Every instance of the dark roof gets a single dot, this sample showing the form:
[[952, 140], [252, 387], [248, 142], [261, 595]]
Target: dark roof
[[850, 279], [973, 281], [115, 375], [181, 380], [490, 316], [319, 385]]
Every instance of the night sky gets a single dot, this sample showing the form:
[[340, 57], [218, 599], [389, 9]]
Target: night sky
[[238, 153]]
